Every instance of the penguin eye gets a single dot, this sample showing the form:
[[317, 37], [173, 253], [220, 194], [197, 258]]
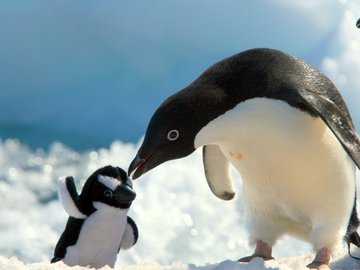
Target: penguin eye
[[173, 135], [108, 194]]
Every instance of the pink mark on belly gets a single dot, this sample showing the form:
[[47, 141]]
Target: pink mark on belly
[[238, 156]]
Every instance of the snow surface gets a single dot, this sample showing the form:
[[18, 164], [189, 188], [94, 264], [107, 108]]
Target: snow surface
[[182, 225], [256, 264]]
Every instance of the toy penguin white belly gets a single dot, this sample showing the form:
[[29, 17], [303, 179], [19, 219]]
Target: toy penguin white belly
[[98, 226], [99, 238]]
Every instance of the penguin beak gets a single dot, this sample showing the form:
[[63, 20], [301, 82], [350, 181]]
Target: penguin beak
[[149, 157], [139, 166], [134, 165], [124, 194]]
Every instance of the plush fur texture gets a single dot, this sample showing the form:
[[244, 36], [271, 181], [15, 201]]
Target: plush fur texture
[[95, 238], [99, 239], [297, 177], [68, 197]]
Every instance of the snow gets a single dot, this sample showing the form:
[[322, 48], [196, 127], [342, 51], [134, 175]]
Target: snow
[[181, 224], [297, 263], [257, 264], [343, 64]]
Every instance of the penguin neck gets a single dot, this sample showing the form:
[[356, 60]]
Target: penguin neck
[[204, 102], [248, 120], [218, 130]]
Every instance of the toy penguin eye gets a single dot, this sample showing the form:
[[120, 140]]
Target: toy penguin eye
[[173, 135], [108, 194]]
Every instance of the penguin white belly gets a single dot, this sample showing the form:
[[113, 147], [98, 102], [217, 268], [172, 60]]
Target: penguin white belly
[[297, 178], [99, 238]]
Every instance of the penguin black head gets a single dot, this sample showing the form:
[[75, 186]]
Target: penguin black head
[[109, 185], [173, 128], [170, 135]]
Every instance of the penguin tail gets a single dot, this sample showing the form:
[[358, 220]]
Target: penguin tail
[[354, 239]]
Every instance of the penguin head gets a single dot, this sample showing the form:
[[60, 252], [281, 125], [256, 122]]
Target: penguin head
[[172, 130], [109, 185]]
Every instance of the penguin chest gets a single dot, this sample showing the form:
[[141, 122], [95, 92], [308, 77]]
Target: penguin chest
[[292, 165], [99, 239]]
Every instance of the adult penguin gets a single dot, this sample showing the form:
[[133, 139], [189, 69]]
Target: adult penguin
[[285, 128]]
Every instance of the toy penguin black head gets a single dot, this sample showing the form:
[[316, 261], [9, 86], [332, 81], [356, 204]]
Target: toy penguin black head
[[109, 185]]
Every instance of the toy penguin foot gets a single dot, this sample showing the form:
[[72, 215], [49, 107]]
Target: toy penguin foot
[[262, 250], [321, 260]]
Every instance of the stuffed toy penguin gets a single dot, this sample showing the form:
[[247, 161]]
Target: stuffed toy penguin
[[98, 226]]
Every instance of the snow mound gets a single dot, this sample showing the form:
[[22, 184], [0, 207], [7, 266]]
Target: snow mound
[[299, 263], [14, 263], [179, 220]]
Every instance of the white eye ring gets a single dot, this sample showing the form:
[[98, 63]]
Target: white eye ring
[[173, 135]]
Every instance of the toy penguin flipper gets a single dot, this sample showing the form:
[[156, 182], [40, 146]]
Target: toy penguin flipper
[[68, 238], [55, 259], [337, 119], [217, 172], [69, 197], [130, 235]]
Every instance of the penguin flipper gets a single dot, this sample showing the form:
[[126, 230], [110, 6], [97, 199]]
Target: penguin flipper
[[217, 172], [130, 235], [69, 197], [337, 119]]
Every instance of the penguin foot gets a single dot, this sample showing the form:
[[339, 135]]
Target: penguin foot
[[318, 266], [249, 258], [262, 250], [321, 260]]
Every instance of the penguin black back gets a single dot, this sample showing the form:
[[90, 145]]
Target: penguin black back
[[272, 74]]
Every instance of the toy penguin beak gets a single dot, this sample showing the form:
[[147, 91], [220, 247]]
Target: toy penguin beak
[[124, 194]]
